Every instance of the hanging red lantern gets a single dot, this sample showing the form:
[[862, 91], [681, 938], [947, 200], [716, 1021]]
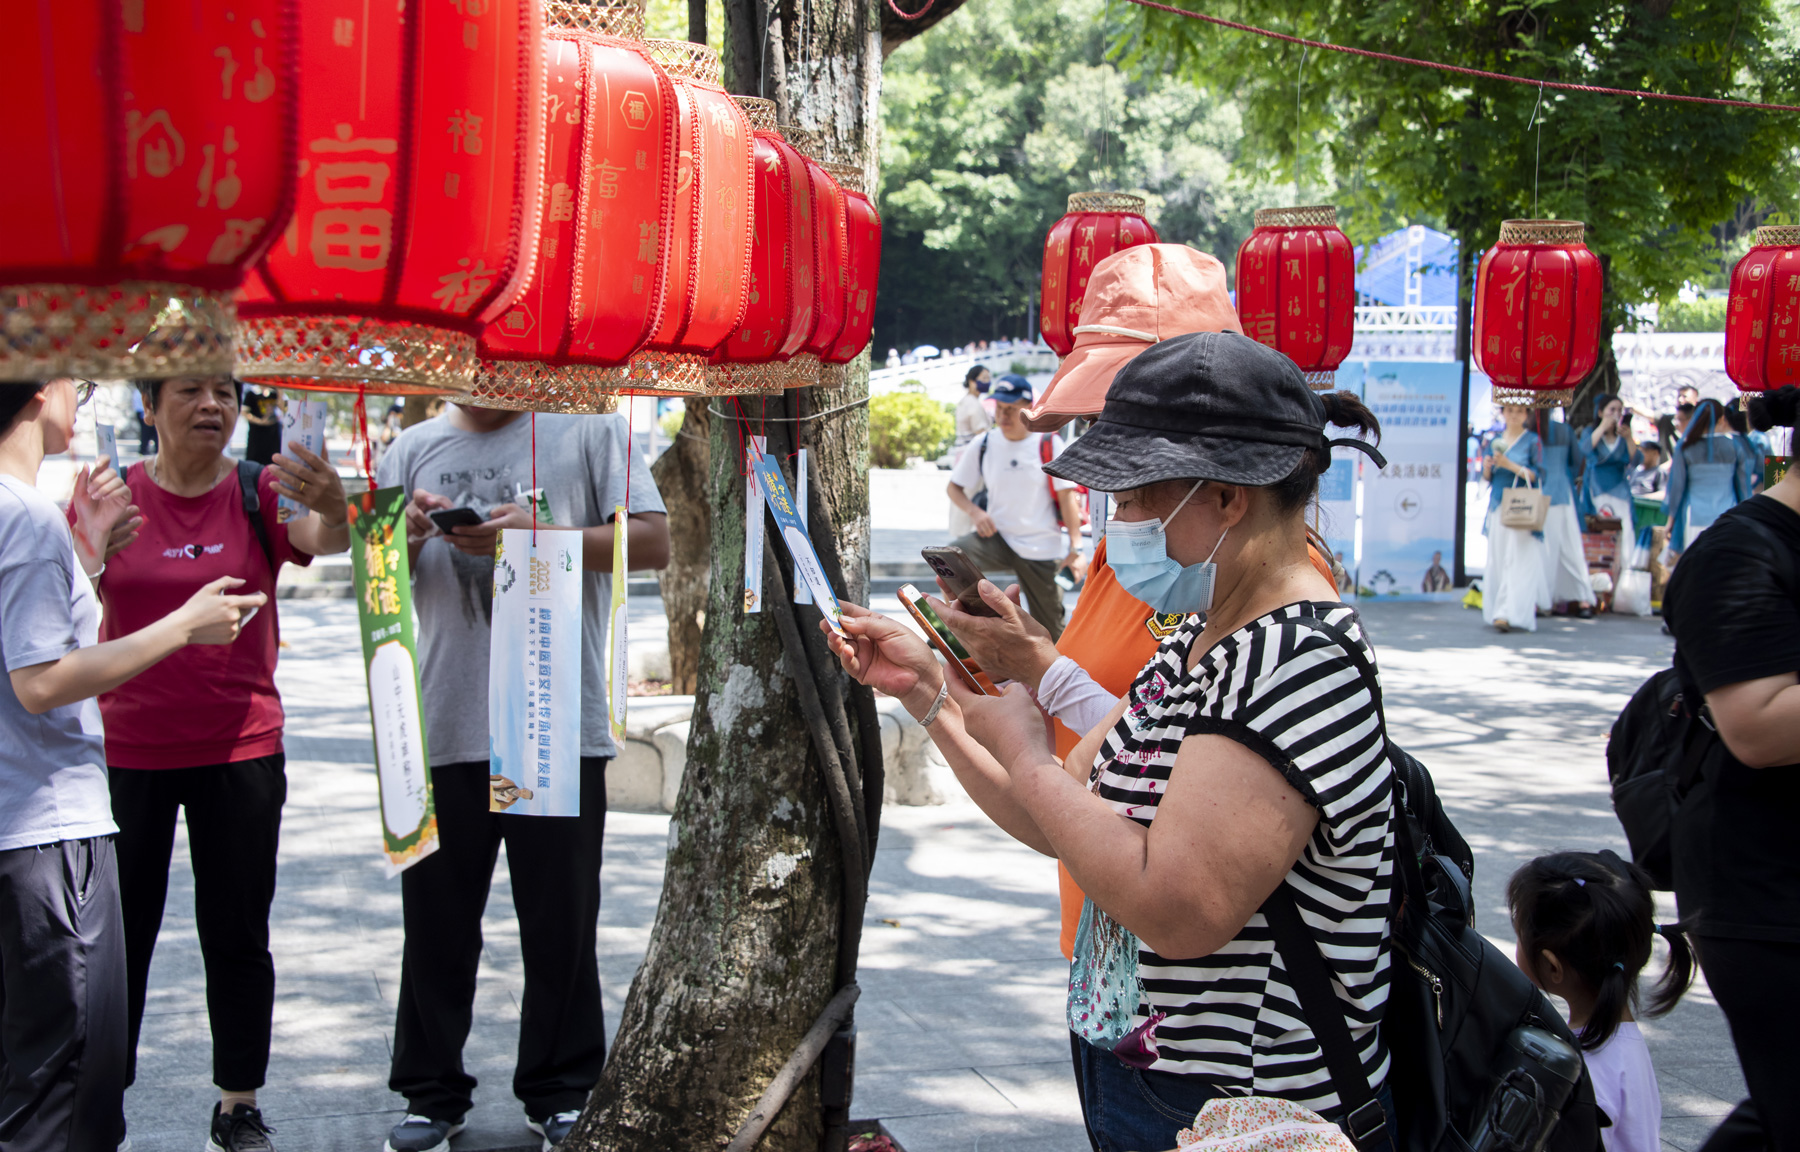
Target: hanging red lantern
[[779, 315], [831, 251], [420, 170], [1296, 288], [1762, 323], [151, 154], [862, 264], [707, 246], [1097, 225], [1537, 312], [609, 181]]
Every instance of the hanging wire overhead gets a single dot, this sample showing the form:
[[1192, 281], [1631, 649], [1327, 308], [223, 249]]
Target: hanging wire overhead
[[1459, 69]]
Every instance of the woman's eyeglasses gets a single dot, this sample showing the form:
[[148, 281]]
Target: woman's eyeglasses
[[84, 391]]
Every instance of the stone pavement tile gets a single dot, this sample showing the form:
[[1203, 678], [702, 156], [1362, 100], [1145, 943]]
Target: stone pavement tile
[[923, 1093], [970, 1131]]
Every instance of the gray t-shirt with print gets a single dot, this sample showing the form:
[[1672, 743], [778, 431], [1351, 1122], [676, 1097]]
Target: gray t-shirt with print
[[53, 766], [581, 468]]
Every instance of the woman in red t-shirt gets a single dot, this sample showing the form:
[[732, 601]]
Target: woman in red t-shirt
[[203, 730]]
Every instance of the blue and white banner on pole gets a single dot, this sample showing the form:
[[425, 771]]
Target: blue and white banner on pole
[[767, 472], [1409, 507]]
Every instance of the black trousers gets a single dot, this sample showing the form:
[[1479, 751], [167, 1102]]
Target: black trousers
[[234, 831], [554, 862], [1753, 981], [62, 998]]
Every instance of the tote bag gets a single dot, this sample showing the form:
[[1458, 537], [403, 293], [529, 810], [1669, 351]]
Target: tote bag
[[1524, 506]]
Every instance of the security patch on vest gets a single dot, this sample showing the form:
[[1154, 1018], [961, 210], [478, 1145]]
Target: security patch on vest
[[1162, 625]]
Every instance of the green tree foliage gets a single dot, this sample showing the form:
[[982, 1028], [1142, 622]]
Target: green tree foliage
[[989, 122], [907, 423], [1706, 314], [1660, 184]]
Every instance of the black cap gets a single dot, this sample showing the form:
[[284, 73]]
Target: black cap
[[1201, 406]]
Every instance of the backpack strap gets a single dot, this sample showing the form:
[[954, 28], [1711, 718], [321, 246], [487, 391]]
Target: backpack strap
[[1045, 455], [249, 474]]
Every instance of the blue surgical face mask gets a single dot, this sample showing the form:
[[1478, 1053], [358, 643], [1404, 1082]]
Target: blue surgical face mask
[[1138, 553]]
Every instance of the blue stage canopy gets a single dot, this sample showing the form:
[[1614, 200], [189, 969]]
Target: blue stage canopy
[[1415, 265]]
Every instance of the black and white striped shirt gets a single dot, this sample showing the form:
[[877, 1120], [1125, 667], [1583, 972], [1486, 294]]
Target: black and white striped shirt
[[1287, 691]]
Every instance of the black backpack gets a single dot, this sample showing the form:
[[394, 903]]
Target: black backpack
[[1453, 999]]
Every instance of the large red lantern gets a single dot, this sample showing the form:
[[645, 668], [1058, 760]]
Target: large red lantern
[[1537, 312], [150, 160], [415, 224], [831, 256], [706, 246], [862, 264], [1762, 326], [779, 315], [610, 163], [1296, 288], [1097, 225]]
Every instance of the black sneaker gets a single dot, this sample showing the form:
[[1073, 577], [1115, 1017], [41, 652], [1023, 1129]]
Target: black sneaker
[[240, 1130], [554, 1129], [422, 1134]]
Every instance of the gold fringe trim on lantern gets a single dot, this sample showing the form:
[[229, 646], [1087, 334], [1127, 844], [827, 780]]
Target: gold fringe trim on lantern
[[686, 59], [1777, 236], [1555, 398], [1106, 202], [803, 370], [136, 329], [625, 21], [348, 353], [747, 379], [1542, 232], [1322, 381], [760, 112], [1299, 216], [660, 374], [848, 176], [531, 386], [807, 142], [833, 376]]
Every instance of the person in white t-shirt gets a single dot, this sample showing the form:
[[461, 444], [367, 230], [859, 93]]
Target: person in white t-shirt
[[1584, 922], [1020, 525]]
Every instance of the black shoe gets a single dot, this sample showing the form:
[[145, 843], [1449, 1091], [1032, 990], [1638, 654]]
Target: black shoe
[[422, 1134], [1584, 611], [242, 1130], [554, 1129]]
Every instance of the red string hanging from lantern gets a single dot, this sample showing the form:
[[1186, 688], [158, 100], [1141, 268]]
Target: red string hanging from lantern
[[1762, 323], [610, 156], [1296, 288], [1096, 225], [779, 315], [1537, 312], [862, 264], [420, 133], [150, 161]]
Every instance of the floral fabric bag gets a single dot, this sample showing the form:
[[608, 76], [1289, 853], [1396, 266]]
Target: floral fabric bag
[[1104, 992]]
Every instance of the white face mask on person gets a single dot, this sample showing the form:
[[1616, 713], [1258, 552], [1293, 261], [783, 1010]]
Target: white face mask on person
[[1138, 554]]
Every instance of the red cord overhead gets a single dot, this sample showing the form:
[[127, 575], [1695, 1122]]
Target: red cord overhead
[[1457, 68], [910, 15]]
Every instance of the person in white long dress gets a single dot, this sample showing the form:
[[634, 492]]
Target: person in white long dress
[[1514, 584], [1565, 560]]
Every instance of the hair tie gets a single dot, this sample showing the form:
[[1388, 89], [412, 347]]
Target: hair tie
[[1581, 881], [1619, 965]]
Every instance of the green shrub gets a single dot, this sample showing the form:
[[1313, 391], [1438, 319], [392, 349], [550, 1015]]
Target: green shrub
[[907, 423], [1706, 314], [669, 423]]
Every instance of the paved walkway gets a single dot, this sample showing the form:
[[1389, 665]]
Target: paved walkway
[[962, 1045]]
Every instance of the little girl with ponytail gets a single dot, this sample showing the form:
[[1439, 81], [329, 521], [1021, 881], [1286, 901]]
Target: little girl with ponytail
[[1584, 923]]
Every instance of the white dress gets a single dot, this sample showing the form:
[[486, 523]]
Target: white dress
[[1625, 1088], [1514, 586]]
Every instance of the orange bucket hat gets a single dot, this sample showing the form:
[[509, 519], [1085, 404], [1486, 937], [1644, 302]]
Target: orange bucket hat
[[1135, 298]]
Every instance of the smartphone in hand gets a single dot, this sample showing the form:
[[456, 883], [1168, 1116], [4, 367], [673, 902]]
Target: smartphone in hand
[[947, 644], [960, 576], [448, 518]]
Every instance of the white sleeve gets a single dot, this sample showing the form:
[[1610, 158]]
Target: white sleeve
[[967, 470], [1057, 444], [1074, 697]]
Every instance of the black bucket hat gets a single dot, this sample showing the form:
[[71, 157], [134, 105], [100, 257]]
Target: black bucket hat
[[1202, 406]]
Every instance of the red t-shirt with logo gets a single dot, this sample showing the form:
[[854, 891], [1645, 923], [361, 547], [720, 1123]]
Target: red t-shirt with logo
[[208, 703]]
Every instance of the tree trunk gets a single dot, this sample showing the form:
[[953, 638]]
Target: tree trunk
[[682, 476], [1604, 379], [774, 826]]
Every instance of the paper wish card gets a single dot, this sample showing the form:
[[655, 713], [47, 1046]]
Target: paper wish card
[[534, 674]]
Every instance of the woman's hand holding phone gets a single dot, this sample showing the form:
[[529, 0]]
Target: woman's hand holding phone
[[1007, 643], [885, 655]]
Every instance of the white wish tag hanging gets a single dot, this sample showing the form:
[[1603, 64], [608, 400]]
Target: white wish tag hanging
[[534, 674], [753, 530]]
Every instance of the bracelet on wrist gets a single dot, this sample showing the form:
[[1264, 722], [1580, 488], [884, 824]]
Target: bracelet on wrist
[[931, 713]]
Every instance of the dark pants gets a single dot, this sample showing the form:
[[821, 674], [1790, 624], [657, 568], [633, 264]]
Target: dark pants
[[554, 862], [1127, 1110], [1752, 981], [1037, 578], [62, 998], [234, 830]]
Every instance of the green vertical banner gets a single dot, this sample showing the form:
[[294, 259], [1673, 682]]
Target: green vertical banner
[[409, 831]]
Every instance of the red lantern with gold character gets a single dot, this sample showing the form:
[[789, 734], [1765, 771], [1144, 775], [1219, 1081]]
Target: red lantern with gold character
[[420, 170], [1296, 288], [831, 254], [779, 316], [150, 162], [1097, 225], [1537, 312], [609, 182], [1762, 323], [862, 264]]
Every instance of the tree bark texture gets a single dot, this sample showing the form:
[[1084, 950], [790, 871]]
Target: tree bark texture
[[683, 475], [775, 822]]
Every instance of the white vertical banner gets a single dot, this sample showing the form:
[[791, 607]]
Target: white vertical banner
[[1409, 507], [753, 531], [534, 674], [802, 592], [618, 653]]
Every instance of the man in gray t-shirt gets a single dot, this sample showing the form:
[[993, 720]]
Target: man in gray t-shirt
[[482, 459]]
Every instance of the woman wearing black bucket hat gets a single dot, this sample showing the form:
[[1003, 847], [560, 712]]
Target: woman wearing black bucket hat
[[1245, 761]]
